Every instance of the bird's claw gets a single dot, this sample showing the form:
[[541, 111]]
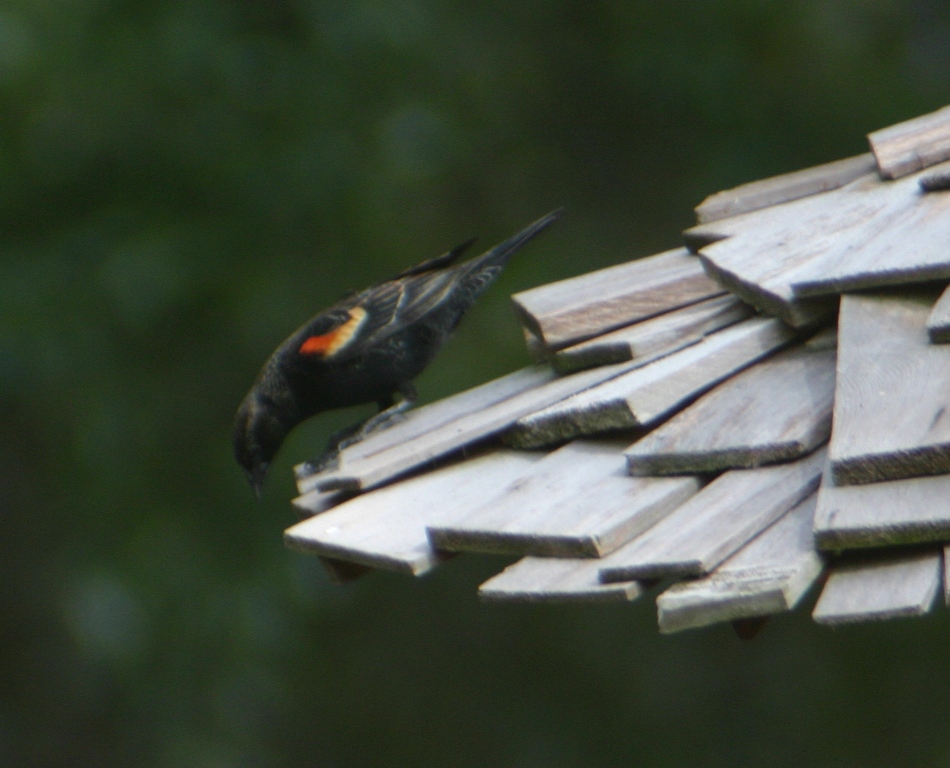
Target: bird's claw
[[326, 461]]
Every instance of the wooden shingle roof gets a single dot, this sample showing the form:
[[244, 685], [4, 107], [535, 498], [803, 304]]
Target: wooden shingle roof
[[765, 410]]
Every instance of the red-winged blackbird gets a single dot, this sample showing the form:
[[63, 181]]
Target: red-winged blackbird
[[366, 348]]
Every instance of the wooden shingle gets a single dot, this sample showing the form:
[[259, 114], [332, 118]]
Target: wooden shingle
[[912, 145], [555, 580], [894, 513], [898, 586], [387, 528], [783, 189], [762, 256], [776, 411], [768, 575], [892, 403], [877, 255], [644, 395], [579, 308], [577, 501], [656, 337], [716, 522]]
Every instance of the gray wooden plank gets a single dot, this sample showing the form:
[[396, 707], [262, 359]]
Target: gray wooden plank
[[938, 322], [712, 525], [909, 511], [912, 145], [368, 465], [433, 416], [760, 256], [568, 311], [645, 395], [578, 501], [911, 248], [316, 502], [387, 528], [896, 586], [777, 410], [892, 404], [555, 580], [768, 575], [784, 188], [656, 337]]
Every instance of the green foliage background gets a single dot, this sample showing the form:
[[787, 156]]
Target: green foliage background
[[183, 182]]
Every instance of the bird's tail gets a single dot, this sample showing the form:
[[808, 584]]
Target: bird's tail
[[481, 271]]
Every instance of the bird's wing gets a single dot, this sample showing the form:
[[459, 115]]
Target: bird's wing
[[439, 262], [359, 322]]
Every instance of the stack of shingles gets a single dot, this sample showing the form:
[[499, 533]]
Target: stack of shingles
[[729, 399]]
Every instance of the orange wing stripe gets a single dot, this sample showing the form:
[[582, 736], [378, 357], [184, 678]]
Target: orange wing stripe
[[332, 342], [317, 345]]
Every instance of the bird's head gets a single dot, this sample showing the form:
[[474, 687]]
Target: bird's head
[[258, 434]]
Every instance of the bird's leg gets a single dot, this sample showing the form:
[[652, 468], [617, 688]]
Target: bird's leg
[[330, 457], [391, 412]]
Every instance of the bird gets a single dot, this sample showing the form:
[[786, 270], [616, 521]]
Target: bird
[[366, 348]]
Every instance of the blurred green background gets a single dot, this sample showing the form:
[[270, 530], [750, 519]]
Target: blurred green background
[[183, 182]]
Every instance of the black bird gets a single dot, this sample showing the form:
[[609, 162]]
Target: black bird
[[366, 348]]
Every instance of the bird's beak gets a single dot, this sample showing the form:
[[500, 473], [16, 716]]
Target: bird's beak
[[256, 478]]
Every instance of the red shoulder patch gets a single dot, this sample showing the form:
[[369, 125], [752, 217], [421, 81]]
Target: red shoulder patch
[[318, 345], [328, 344]]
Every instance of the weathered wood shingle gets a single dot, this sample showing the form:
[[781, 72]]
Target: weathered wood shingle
[[645, 395], [579, 308], [776, 411], [892, 400], [898, 586], [768, 575], [577, 501]]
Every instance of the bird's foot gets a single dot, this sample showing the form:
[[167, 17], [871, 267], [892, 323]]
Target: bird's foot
[[385, 419], [326, 461], [378, 423]]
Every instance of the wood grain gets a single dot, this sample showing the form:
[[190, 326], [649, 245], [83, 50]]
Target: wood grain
[[568, 311], [891, 587], [938, 322], [892, 403], [777, 410], [578, 501], [712, 525], [768, 575], [784, 188], [910, 511], [912, 145], [911, 248], [760, 255], [387, 528], [645, 395], [555, 580], [654, 338]]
